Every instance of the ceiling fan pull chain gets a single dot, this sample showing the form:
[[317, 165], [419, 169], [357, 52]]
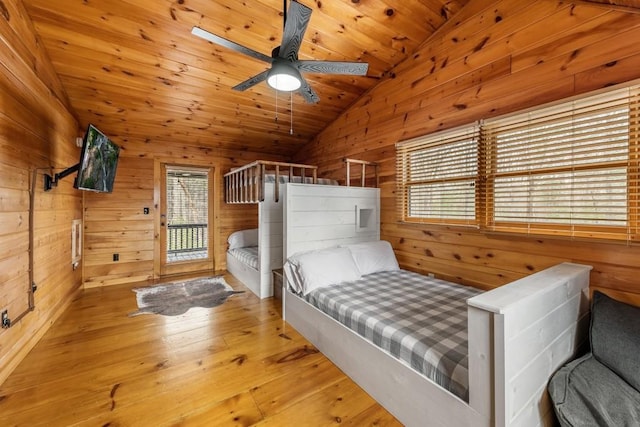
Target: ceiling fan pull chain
[[291, 116]]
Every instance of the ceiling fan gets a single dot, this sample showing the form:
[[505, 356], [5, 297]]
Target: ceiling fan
[[285, 70]]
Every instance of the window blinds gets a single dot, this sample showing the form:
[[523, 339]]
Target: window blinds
[[564, 169], [437, 177], [571, 169]]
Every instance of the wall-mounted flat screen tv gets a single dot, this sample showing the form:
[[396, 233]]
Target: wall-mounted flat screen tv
[[98, 162]]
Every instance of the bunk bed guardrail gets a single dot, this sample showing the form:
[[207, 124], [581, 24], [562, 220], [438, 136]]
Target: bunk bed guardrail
[[246, 183], [363, 171]]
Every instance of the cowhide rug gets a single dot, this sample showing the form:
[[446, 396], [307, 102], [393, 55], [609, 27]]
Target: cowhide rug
[[173, 299]]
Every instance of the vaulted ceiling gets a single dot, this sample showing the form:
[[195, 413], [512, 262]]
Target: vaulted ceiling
[[133, 68]]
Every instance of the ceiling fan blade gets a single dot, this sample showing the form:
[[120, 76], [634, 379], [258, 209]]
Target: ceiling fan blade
[[333, 67], [197, 31], [297, 19], [251, 82], [308, 93]]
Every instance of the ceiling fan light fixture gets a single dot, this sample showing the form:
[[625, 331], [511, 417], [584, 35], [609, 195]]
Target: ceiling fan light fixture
[[284, 77]]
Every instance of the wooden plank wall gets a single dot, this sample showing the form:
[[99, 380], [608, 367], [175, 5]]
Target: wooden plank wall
[[489, 61], [116, 223], [37, 132]]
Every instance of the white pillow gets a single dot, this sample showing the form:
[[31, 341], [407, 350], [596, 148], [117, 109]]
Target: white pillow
[[243, 238], [372, 257], [311, 270]]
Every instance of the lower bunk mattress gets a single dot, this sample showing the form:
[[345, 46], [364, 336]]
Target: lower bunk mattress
[[247, 255], [419, 320]]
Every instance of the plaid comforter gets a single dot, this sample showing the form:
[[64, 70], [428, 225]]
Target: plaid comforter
[[420, 320], [247, 255]]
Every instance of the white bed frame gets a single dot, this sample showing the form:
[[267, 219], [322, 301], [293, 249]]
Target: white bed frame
[[270, 236], [519, 334]]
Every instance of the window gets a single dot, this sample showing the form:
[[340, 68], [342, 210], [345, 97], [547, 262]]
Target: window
[[187, 193], [562, 169], [439, 174], [571, 169]]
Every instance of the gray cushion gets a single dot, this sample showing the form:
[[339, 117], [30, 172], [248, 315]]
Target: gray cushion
[[587, 393], [615, 337]]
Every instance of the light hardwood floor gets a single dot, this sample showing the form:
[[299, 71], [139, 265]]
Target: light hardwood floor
[[236, 364]]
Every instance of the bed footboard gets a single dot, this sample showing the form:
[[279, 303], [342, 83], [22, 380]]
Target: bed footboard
[[519, 335]]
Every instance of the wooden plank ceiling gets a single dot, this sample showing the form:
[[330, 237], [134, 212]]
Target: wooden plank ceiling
[[133, 68]]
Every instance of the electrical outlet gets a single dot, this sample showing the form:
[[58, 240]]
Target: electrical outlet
[[116, 257], [6, 322], [146, 211]]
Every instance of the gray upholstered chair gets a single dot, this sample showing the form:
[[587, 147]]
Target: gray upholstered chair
[[602, 388]]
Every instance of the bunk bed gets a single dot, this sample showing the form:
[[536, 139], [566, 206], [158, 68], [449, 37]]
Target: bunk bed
[[517, 334], [253, 254]]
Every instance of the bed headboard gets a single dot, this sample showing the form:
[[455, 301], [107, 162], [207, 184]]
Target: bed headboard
[[321, 216]]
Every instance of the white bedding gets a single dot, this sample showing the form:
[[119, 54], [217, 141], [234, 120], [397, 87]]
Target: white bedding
[[243, 238], [307, 271]]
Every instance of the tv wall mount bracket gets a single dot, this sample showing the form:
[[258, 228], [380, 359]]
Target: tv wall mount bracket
[[52, 181]]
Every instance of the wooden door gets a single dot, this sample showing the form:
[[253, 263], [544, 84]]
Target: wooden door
[[186, 219]]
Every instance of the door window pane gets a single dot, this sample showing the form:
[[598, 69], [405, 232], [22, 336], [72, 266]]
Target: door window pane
[[187, 214]]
